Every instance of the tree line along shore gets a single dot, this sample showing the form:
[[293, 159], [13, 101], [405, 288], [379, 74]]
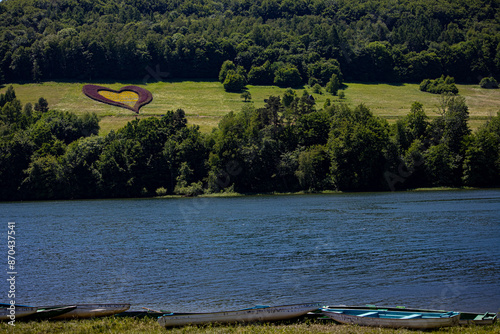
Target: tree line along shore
[[288, 145]]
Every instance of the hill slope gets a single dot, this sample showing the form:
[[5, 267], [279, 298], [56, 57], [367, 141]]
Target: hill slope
[[206, 102]]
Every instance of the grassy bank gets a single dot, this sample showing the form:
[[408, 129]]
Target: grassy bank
[[131, 325], [205, 102]]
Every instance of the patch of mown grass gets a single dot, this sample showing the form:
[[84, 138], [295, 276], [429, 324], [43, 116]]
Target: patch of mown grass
[[150, 325], [206, 102]]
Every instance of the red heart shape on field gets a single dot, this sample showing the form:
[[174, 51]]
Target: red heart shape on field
[[128, 97]]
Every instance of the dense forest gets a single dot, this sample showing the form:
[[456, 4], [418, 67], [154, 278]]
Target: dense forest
[[372, 40], [288, 145]]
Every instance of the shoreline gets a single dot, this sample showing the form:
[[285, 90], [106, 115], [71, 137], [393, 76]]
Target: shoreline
[[322, 192], [151, 325], [236, 194]]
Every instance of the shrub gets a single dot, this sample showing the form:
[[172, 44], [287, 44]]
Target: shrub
[[317, 89], [195, 189], [439, 86], [488, 82], [246, 95], [161, 191], [234, 82], [42, 105]]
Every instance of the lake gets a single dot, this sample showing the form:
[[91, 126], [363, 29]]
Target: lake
[[432, 249]]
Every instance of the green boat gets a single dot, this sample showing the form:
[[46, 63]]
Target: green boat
[[487, 318]]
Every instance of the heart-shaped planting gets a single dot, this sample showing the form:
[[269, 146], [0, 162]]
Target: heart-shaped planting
[[128, 97]]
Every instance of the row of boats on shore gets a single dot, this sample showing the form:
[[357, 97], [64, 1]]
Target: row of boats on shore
[[368, 315]]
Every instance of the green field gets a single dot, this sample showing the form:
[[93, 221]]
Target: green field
[[131, 325], [205, 102]]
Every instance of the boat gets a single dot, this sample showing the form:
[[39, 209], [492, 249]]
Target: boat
[[83, 311], [253, 314], [147, 313], [8, 313], [48, 312], [486, 318], [393, 319], [477, 318]]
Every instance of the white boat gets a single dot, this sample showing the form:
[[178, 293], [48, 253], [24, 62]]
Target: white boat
[[83, 311], [393, 319], [257, 313], [7, 313]]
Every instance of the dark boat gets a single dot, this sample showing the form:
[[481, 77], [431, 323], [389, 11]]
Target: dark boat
[[47, 312]]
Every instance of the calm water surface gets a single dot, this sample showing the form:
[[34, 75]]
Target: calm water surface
[[420, 249]]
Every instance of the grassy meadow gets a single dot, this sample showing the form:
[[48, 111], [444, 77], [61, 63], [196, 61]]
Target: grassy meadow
[[205, 102], [131, 325]]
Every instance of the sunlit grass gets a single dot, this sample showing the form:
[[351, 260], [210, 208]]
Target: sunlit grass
[[206, 102], [131, 325]]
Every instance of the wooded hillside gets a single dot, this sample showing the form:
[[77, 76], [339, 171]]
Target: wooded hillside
[[286, 146], [374, 40]]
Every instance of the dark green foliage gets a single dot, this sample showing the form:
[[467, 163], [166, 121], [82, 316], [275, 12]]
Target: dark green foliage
[[288, 97], [159, 147], [42, 105], [9, 96], [324, 70], [488, 82], [66, 126], [45, 179], [313, 168], [316, 89], [333, 85], [261, 75], [356, 145], [481, 164], [15, 157], [81, 169], [288, 76], [452, 127], [443, 152], [441, 165], [439, 86], [155, 40], [227, 66], [234, 81], [246, 95]]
